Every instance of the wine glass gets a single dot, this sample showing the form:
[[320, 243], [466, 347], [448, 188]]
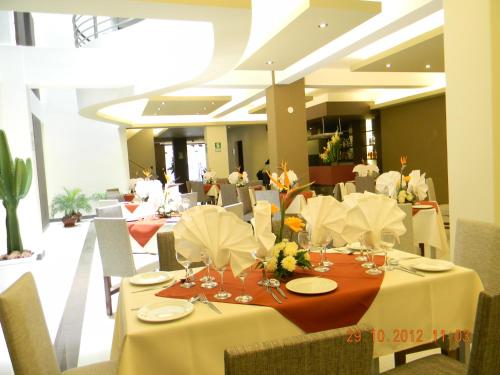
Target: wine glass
[[326, 241], [387, 242], [185, 203], [185, 262], [244, 297], [362, 257], [304, 240], [371, 239], [263, 260], [208, 281], [321, 267], [222, 293]]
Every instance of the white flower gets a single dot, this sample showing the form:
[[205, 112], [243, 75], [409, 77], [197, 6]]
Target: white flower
[[291, 249], [233, 178], [272, 264], [292, 177], [210, 177], [288, 263], [274, 177]]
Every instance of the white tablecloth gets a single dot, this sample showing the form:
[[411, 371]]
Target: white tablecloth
[[196, 343], [428, 228]]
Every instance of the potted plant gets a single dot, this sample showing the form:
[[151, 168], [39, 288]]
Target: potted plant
[[15, 182], [70, 204]]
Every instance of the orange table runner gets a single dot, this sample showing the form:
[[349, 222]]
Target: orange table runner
[[207, 187], [143, 230], [312, 313], [432, 203], [131, 207]]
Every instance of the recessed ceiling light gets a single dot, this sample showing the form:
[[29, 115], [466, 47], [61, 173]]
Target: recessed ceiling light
[[270, 62], [323, 25], [427, 66], [162, 103], [388, 65]]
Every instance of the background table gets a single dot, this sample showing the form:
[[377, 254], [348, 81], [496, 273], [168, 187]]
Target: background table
[[428, 229]]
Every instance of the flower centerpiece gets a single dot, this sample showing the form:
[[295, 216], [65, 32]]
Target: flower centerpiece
[[238, 178], [209, 177], [331, 153], [148, 173], [286, 258], [404, 195]]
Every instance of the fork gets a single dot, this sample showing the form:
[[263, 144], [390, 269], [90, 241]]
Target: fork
[[204, 299]]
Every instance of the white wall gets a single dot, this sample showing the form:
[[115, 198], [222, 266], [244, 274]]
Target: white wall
[[217, 161], [255, 153]]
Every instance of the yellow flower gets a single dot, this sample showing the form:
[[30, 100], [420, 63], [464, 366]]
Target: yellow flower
[[272, 264], [401, 196], [274, 209], [294, 223], [288, 263], [277, 248], [307, 256], [291, 249]]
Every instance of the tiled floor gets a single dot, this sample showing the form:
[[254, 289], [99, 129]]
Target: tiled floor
[[54, 276]]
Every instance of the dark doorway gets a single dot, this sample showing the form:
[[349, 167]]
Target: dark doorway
[[239, 155]]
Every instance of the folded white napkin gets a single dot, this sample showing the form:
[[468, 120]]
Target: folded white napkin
[[365, 170], [325, 217], [263, 229], [388, 183], [221, 234], [370, 215], [417, 185]]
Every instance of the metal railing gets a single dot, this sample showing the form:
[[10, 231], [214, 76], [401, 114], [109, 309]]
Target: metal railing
[[88, 28]]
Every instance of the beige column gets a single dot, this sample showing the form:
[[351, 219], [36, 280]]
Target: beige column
[[217, 150], [472, 58], [286, 128]]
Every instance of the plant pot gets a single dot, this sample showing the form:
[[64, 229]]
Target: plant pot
[[69, 221], [78, 216], [128, 197], [17, 258]]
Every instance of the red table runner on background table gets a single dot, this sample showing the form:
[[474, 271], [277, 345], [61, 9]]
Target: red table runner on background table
[[143, 230], [207, 187], [344, 306], [431, 203], [131, 207]]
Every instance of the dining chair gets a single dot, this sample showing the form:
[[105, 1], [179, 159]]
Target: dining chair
[[485, 353], [255, 182], [27, 336], [365, 183], [114, 193], [431, 192], [229, 195], [236, 209], [326, 352], [337, 193], [188, 186], [109, 211], [251, 193], [193, 198], [166, 253], [244, 197], [116, 255], [406, 240], [350, 187], [107, 202], [197, 187]]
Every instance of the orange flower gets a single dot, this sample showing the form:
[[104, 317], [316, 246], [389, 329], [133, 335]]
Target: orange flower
[[287, 180], [274, 209], [294, 223], [403, 160], [407, 178], [276, 181]]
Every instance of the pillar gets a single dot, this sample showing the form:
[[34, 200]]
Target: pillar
[[472, 65], [217, 150], [287, 128]]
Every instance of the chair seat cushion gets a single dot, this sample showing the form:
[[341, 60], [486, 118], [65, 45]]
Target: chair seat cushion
[[101, 368], [435, 364]]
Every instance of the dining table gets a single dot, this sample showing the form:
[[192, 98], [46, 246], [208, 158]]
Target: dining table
[[429, 230], [403, 309]]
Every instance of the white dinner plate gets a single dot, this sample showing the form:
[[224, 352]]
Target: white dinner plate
[[423, 206], [311, 285], [354, 246], [164, 311], [150, 278], [432, 265]]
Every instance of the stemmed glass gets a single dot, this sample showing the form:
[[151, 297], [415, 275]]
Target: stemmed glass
[[244, 297], [263, 260], [304, 240], [326, 261], [185, 262], [222, 293], [371, 239], [185, 203], [322, 267], [208, 281], [387, 241], [362, 257]]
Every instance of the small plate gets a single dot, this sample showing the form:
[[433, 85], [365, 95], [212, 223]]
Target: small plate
[[433, 265], [311, 285], [422, 206], [150, 278], [164, 311]]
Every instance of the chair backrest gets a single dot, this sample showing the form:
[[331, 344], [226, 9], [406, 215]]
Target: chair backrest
[[109, 211], [223, 180], [228, 194], [326, 352], [350, 187], [485, 353], [255, 182], [337, 193], [431, 192], [477, 246], [297, 205], [251, 193], [236, 209], [193, 198], [244, 197], [197, 187], [25, 329], [166, 253], [271, 196], [107, 202], [114, 194], [406, 240], [365, 183], [114, 247], [188, 186]]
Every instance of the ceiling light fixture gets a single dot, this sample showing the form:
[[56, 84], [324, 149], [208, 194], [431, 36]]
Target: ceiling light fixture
[[427, 66], [387, 65], [269, 62], [323, 25]]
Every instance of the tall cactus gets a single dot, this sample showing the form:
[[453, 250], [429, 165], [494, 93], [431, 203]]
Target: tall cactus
[[15, 182]]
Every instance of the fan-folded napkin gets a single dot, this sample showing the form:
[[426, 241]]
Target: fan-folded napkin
[[325, 216], [364, 170], [417, 185], [388, 183], [263, 229]]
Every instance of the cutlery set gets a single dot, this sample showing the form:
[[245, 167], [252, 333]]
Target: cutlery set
[[269, 289]]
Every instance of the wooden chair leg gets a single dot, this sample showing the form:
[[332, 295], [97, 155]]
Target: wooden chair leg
[[107, 295], [421, 246]]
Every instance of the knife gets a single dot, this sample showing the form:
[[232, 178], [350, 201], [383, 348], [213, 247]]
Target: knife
[[210, 304], [401, 268], [268, 288], [154, 288], [281, 292]]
